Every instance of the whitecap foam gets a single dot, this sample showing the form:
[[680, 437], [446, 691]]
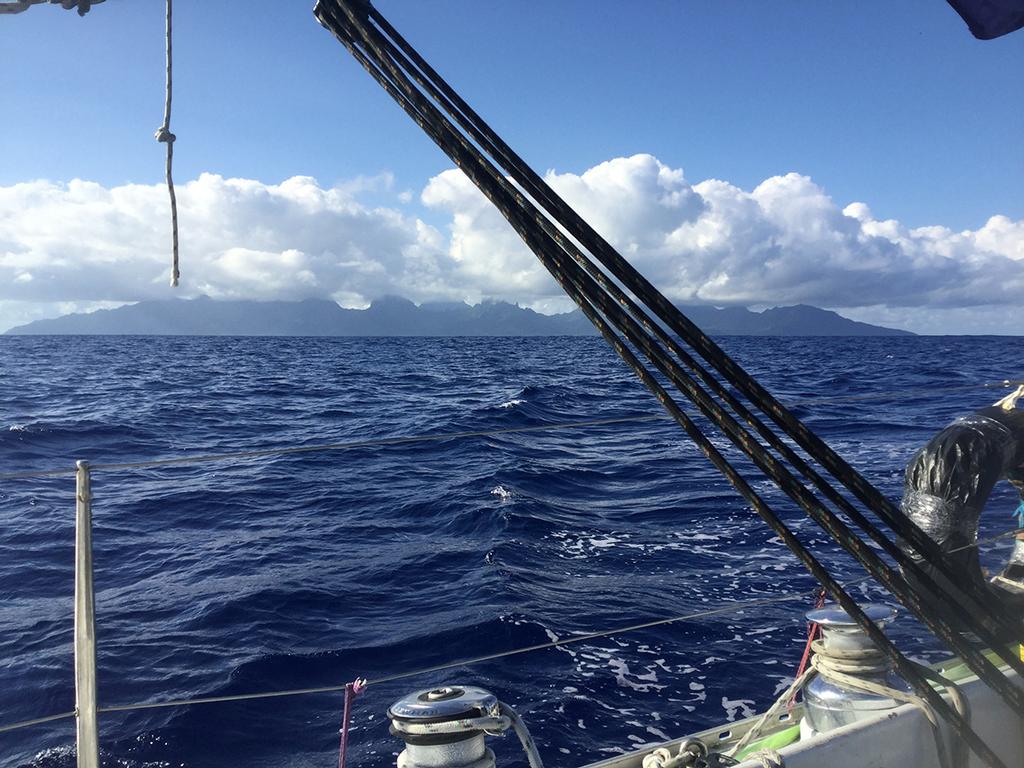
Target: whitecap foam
[[512, 403], [658, 732], [643, 682], [501, 492], [734, 707], [18, 428]]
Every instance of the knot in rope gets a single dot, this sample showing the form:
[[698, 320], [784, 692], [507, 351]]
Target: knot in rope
[[164, 136], [657, 759]]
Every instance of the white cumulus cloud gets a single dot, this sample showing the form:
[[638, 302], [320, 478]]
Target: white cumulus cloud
[[786, 241], [239, 238]]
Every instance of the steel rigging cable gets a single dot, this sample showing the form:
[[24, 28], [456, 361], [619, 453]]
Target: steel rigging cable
[[440, 91], [605, 305], [420, 118]]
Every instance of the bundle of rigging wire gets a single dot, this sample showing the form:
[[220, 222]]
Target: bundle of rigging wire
[[674, 358]]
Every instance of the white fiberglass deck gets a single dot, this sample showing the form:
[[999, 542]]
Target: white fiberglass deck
[[899, 738]]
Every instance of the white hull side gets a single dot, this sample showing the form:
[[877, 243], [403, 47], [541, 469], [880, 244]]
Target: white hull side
[[902, 738]]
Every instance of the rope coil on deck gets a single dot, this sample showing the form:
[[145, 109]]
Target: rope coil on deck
[[845, 667]]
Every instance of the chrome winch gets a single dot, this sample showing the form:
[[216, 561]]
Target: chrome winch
[[445, 728], [855, 680]]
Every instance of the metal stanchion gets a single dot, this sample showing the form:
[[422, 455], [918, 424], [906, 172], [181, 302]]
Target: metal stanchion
[[85, 625]]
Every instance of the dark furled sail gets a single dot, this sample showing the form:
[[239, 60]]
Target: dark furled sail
[[988, 19]]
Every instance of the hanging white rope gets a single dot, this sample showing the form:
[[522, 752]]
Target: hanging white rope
[[163, 134]]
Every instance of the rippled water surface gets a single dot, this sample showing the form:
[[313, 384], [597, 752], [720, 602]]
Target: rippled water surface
[[310, 569]]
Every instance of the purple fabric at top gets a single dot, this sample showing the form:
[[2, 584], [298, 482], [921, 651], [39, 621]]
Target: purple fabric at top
[[990, 18]]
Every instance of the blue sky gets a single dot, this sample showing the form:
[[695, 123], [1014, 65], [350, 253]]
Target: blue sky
[[893, 105]]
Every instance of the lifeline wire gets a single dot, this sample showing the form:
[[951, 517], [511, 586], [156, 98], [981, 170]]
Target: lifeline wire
[[732, 608], [724, 610], [285, 451], [399, 440], [37, 721]]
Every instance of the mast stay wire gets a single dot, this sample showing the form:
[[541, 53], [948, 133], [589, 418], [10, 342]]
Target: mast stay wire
[[543, 244], [420, 118], [418, 109], [613, 340], [813, 565], [485, 137], [435, 86], [428, 79]]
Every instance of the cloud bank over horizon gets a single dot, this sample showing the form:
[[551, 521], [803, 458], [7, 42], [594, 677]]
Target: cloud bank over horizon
[[79, 245]]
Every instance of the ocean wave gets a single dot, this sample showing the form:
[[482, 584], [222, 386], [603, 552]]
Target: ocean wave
[[309, 570], [501, 492]]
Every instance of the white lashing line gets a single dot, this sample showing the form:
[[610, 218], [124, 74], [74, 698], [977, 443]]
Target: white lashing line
[[163, 133]]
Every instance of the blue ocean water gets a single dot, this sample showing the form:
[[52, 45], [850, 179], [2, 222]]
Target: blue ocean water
[[310, 569]]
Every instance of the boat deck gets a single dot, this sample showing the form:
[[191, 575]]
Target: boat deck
[[897, 738]]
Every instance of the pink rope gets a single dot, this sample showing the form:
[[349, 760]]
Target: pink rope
[[351, 691], [813, 630]]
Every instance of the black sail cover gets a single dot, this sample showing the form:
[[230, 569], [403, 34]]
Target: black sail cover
[[949, 480], [990, 18]]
